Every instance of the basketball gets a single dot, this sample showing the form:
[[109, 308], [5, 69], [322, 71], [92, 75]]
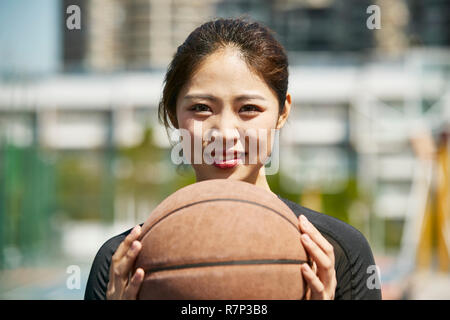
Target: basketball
[[221, 239]]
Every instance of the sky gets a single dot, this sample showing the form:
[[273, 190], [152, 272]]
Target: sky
[[29, 36]]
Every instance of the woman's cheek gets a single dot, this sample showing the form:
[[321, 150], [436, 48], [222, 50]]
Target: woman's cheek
[[258, 145], [192, 133]]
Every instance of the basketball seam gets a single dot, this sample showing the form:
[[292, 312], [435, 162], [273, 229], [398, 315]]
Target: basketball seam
[[222, 199], [228, 263]]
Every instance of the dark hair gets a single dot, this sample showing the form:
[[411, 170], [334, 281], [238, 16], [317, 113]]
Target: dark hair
[[256, 43]]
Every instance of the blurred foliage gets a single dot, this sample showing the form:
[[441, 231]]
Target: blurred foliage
[[146, 171], [393, 233], [143, 171], [335, 204], [338, 204], [39, 188], [79, 182]]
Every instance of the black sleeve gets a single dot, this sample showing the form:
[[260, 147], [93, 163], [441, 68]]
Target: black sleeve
[[365, 281], [356, 273], [99, 275]]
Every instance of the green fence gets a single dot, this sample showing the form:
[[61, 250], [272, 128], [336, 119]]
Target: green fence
[[26, 203]]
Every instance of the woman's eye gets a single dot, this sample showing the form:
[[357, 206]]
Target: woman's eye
[[250, 109], [200, 108]]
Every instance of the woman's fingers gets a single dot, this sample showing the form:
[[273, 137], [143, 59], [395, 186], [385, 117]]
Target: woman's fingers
[[118, 265], [308, 228], [322, 260], [134, 285], [315, 285], [126, 263], [126, 243], [119, 284], [321, 278]]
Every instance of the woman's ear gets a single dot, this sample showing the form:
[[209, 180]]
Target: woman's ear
[[282, 118]]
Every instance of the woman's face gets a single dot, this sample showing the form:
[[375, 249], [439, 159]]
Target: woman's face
[[224, 99]]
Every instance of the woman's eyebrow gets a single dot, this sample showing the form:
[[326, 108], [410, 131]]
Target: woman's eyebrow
[[212, 98], [200, 96], [250, 97]]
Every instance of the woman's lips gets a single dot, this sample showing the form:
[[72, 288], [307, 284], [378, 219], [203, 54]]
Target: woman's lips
[[227, 164], [229, 161]]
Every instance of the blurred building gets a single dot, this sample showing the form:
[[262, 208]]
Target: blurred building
[[74, 42], [131, 34], [429, 22], [144, 34]]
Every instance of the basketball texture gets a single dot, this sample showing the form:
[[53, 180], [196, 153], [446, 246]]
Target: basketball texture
[[221, 239]]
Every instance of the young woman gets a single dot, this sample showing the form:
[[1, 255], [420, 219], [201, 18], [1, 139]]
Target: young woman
[[231, 76]]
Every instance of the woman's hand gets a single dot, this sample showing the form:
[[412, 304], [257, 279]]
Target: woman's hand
[[120, 286], [321, 278]]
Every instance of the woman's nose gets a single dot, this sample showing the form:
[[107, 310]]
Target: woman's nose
[[229, 136], [226, 127]]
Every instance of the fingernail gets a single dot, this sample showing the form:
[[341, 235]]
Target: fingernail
[[135, 230], [306, 238], [304, 221], [140, 274]]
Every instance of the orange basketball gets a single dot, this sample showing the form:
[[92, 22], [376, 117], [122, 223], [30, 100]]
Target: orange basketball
[[221, 239]]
